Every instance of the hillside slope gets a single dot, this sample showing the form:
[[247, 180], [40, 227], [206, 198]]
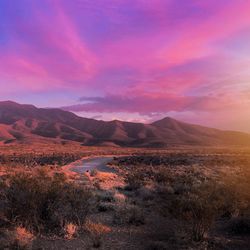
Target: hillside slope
[[28, 124]]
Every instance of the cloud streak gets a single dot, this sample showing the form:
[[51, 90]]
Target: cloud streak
[[148, 103]]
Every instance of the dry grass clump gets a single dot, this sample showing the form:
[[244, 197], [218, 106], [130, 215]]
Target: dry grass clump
[[96, 232], [70, 230], [18, 238], [23, 237]]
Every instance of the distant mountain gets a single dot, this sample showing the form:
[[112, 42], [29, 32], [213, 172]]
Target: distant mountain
[[28, 124]]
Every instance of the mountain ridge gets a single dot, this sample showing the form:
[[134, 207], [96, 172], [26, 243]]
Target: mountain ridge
[[24, 123]]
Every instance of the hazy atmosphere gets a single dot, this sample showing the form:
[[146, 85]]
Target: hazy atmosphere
[[134, 60]]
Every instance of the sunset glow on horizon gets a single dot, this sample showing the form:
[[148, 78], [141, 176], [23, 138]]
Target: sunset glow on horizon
[[134, 60]]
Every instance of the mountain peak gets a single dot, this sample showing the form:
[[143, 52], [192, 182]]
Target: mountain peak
[[167, 119], [8, 102], [166, 122]]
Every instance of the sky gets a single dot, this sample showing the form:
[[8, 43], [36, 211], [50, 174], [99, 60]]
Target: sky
[[133, 60]]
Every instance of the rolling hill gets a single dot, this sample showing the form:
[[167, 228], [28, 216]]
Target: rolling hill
[[27, 124]]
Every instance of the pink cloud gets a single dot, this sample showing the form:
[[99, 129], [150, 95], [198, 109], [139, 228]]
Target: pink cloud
[[54, 57], [185, 41], [148, 103], [196, 40]]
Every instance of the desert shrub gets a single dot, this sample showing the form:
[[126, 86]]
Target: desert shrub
[[164, 189], [32, 159], [145, 194], [45, 204], [181, 188], [200, 206], [136, 216], [134, 180], [162, 176], [239, 226], [202, 202], [104, 207], [2, 192], [183, 159], [106, 196], [129, 214], [18, 238], [156, 246], [96, 232], [237, 197], [59, 177]]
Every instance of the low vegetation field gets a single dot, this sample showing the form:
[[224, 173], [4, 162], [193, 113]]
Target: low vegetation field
[[177, 198]]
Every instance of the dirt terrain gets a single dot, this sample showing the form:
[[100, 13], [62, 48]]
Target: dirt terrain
[[138, 199]]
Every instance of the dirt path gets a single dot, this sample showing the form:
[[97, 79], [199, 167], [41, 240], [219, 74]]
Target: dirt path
[[98, 163]]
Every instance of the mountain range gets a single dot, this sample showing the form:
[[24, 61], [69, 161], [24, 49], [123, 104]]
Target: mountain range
[[27, 124]]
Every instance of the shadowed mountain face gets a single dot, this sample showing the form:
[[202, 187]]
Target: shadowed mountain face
[[28, 124]]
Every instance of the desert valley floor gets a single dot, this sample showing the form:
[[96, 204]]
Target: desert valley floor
[[70, 196]]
